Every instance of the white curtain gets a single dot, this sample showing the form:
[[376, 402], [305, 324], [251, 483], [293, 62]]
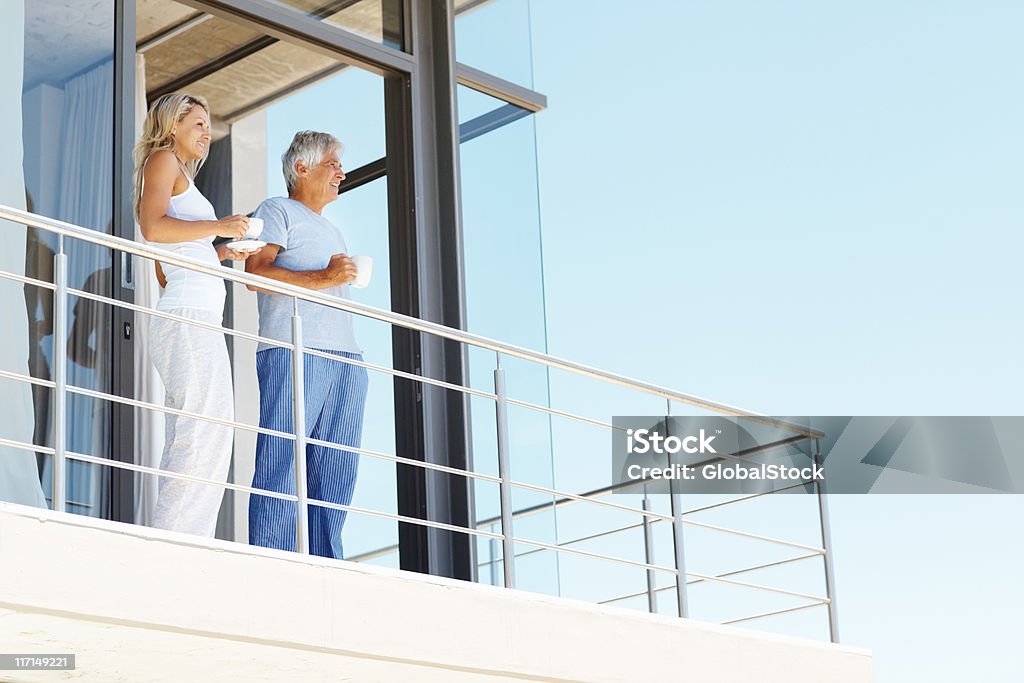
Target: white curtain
[[149, 425], [19, 477], [86, 192]]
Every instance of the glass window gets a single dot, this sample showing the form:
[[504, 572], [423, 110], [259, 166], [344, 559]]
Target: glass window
[[494, 36], [505, 300], [64, 82]]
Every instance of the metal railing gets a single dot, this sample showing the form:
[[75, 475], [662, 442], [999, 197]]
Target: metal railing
[[502, 526]]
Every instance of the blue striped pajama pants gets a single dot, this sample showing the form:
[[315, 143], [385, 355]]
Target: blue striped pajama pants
[[335, 395]]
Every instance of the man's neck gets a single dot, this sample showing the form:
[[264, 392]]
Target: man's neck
[[308, 202]]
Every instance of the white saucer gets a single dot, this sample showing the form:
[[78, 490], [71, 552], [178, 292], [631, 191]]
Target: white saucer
[[246, 245]]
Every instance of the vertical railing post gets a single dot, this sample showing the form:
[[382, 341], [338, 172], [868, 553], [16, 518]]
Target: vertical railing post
[[652, 605], [826, 543], [677, 541], [299, 425], [677, 532], [60, 374], [505, 487], [492, 547]]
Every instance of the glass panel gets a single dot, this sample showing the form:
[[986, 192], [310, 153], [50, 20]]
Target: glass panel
[[505, 300], [378, 20], [494, 36], [66, 126]]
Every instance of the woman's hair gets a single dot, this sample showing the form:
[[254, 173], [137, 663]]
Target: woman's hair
[[309, 147], [163, 117]]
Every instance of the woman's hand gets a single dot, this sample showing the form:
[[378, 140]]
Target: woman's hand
[[233, 227], [224, 253]]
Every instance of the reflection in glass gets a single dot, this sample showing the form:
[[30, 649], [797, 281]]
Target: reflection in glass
[[67, 132]]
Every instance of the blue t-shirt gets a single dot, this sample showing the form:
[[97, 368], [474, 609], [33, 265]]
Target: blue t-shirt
[[307, 241]]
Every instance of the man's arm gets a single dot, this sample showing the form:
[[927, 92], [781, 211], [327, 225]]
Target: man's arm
[[339, 271]]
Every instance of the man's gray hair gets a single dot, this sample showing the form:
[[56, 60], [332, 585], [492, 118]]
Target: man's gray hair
[[309, 147]]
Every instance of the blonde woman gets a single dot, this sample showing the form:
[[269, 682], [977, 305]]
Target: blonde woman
[[192, 361]]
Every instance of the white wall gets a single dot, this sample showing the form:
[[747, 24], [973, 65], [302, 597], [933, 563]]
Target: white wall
[[183, 608]]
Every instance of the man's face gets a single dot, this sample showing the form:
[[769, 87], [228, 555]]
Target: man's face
[[323, 179]]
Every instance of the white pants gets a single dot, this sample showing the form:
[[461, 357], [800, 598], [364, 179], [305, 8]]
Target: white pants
[[193, 364]]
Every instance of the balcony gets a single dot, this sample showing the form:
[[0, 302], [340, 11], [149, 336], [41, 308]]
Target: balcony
[[179, 607]]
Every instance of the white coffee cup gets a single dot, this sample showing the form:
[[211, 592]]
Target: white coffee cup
[[364, 269], [255, 228]]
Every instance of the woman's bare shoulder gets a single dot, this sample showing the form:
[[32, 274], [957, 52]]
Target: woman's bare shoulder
[[161, 161]]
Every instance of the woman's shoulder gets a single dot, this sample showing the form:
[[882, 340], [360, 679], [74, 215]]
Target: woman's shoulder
[[162, 162]]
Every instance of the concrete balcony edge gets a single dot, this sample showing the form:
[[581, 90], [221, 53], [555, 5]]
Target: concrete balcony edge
[[217, 610]]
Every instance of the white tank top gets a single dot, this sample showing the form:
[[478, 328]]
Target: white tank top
[[187, 288]]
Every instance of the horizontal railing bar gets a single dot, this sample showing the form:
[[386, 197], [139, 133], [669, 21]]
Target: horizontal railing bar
[[274, 494], [327, 444], [764, 565], [409, 322], [573, 541], [639, 525], [743, 498], [562, 413], [7, 275], [734, 572], [21, 445], [597, 556], [816, 603], [175, 411], [402, 518], [747, 534], [401, 373], [286, 345], [755, 586], [404, 461], [176, 475], [619, 486], [28, 379], [171, 316], [593, 501]]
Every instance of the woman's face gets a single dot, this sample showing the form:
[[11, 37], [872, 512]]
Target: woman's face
[[192, 135]]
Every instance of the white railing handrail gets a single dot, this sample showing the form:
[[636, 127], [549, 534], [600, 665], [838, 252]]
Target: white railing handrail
[[409, 322]]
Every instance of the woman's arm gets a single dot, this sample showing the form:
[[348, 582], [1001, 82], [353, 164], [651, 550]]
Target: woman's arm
[[161, 175]]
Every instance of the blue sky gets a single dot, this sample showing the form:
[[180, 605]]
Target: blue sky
[[797, 207], [808, 208]]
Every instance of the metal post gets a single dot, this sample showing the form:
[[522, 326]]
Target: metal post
[[492, 547], [677, 541], [826, 543], [505, 488], [677, 531], [652, 605], [299, 425], [60, 374]]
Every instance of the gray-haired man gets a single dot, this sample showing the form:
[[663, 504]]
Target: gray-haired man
[[305, 249]]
